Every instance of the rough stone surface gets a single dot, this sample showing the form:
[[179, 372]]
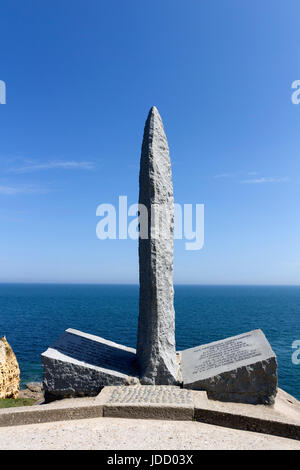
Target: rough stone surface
[[79, 364], [34, 386], [147, 402], [156, 327], [239, 369], [149, 394], [9, 371], [33, 390]]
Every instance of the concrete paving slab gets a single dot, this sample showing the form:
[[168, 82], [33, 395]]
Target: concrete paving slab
[[60, 410], [136, 434], [281, 419]]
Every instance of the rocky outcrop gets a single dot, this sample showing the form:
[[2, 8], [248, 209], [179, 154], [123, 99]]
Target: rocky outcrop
[[9, 371], [33, 390]]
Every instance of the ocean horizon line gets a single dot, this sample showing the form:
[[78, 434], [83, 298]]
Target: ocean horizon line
[[81, 283]]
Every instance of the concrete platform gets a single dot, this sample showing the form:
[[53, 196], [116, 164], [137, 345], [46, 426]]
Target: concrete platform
[[60, 410], [136, 434], [281, 419], [166, 403]]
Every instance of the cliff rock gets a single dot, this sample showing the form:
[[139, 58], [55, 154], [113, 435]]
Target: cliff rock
[[9, 371]]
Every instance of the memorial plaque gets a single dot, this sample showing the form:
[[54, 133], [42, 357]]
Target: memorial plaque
[[150, 394], [241, 368], [80, 364], [96, 351], [147, 401]]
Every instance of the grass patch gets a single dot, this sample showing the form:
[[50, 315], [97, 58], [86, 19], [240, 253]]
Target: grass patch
[[11, 402]]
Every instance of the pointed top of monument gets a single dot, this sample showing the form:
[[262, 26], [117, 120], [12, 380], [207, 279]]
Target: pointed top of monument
[[154, 127], [155, 136], [154, 109], [154, 112]]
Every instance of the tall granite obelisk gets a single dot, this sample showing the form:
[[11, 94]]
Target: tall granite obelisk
[[156, 353]]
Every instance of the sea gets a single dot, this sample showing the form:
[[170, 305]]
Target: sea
[[32, 316]]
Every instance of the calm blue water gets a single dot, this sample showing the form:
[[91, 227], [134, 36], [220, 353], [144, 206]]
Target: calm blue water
[[33, 316]]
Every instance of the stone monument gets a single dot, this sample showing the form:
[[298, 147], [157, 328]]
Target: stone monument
[[156, 327], [78, 363], [241, 369]]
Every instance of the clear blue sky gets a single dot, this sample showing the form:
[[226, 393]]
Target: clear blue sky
[[81, 77]]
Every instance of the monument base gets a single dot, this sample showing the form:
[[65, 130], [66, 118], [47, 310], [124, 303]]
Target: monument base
[[240, 369], [253, 385], [80, 364]]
